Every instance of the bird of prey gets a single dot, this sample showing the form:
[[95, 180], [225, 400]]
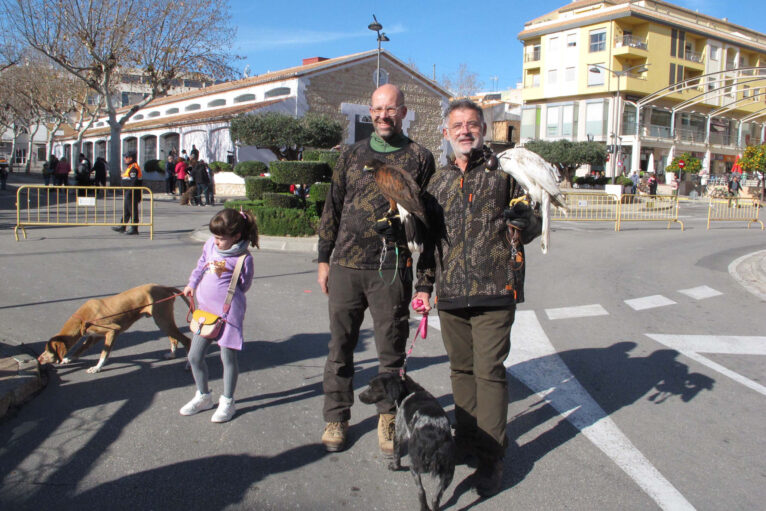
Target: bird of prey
[[403, 194], [540, 182]]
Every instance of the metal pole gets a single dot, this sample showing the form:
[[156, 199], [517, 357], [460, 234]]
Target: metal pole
[[377, 74], [618, 129]]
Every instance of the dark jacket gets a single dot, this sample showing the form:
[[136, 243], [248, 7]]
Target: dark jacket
[[469, 254], [354, 203], [199, 174]]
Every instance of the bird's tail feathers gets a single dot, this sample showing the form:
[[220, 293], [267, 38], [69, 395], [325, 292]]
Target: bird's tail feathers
[[545, 208]]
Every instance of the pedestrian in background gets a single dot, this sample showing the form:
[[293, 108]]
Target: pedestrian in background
[[46, 173], [181, 175], [99, 170], [61, 174], [201, 180], [132, 177], [634, 179], [652, 184], [233, 231], [170, 175]]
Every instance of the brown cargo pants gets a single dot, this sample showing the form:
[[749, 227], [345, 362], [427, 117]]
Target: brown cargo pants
[[351, 292], [478, 342]]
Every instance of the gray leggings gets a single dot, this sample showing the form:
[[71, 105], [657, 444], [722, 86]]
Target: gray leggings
[[199, 347]]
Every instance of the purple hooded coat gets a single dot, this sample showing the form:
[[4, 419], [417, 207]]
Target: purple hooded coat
[[210, 281]]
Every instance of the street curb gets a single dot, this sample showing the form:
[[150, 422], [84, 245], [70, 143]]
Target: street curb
[[276, 243], [17, 389], [750, 271]]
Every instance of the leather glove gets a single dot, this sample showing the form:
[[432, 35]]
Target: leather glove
[[523, 218], [388, 228]]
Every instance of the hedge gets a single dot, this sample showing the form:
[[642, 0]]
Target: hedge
[[250, 168], [220, 166], [256, 186], [280, 221], [281, 200], [304, 172], [327, 156], [153, 166], [318, 191]]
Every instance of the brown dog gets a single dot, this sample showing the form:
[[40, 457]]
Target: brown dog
[[108, 317], [188, 196]]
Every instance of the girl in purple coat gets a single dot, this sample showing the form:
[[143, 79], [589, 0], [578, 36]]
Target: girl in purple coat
[[232, 232]]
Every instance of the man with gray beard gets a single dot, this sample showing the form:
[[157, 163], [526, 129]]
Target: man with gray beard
[[476, 263]]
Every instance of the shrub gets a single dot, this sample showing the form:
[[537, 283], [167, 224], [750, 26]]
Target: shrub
[[250, 168], [602, 180], [288, 172], [281, 200], [318, 191], [324, 155], [624, 181], [256, 186], [280, 221], [220, 166], [153, 166]]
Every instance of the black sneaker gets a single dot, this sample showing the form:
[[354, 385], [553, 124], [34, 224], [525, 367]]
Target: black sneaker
[[119, 229], [488, 478], [132, 231]]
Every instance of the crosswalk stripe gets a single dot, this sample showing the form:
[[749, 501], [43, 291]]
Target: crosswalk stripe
[[581, 311], [700, 292], [649, 302]]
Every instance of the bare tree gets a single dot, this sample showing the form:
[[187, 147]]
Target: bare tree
[[98, 41], [462, 83]]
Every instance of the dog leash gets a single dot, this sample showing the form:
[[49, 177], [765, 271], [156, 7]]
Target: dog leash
[[86, 324], [422, 331]]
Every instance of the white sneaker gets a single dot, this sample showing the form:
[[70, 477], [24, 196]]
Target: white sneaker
[[225, 410], [199, 403]]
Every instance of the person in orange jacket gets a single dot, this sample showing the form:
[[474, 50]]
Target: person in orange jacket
[[131, 177]]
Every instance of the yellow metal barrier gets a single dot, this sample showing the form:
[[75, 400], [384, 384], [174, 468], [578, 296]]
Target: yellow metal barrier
[[80, 206], [648, 208], [589, 207], [734, 209]]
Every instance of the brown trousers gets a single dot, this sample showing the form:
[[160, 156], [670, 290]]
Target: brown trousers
[[351, 292], [478, 342]]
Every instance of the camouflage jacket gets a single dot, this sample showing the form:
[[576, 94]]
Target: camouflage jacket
[[354, 203], [469, 255]]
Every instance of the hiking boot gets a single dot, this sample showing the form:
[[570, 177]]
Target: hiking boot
[[132, 230], [225, 410], [334, 436], [386, 429], [199, 403], [488, 478], [119, 229]]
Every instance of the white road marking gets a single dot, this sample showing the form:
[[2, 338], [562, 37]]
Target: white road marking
[[700, 293], [649, 302], [534, 362], [750, 276], [582, 311], [691, 346], [433, 321]]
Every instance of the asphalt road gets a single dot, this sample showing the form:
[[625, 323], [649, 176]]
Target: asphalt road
[[636, 381]]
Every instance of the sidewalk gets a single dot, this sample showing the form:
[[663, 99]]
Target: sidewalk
[[20, 377]]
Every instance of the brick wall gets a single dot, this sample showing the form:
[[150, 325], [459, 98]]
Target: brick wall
[[354, 84]]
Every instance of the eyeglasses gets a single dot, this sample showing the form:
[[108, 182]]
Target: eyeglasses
[[389, 110], [474, 126]]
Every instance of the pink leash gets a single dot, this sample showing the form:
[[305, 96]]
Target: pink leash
[[422, 331]]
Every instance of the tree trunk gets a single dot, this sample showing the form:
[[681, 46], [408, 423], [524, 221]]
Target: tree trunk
[[30, 144], [114, 157]]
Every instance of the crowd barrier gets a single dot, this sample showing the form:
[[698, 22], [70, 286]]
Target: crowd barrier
[[39, 205], [734, 209], [603, 207]]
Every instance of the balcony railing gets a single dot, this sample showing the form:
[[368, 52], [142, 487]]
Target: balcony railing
[[532, 56], [690, 135], [630, 41], [693, 56]]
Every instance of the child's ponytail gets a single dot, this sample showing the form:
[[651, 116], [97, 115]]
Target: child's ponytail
[[229, 222]]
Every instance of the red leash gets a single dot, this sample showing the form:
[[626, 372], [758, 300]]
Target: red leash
[[422, 331]]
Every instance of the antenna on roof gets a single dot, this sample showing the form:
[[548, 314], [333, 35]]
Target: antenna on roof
[[246, 71]]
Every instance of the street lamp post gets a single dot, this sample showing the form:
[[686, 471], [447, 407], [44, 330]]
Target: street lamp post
[[382, 37], [617, 112]]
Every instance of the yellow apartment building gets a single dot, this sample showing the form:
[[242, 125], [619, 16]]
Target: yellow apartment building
[[666, 79]]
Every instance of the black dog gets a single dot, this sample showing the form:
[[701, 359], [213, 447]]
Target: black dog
[[422, 423]]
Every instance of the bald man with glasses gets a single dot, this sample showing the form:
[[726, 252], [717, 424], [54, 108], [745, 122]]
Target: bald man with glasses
[[361, 267]]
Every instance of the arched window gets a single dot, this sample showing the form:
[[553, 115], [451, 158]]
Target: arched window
[[171, 111], [138, 117], [244, 97], [217, 102], [192, 107], [279, 91], [156, 113]]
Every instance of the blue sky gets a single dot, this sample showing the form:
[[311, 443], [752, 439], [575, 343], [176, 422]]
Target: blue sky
[[278, 34]]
